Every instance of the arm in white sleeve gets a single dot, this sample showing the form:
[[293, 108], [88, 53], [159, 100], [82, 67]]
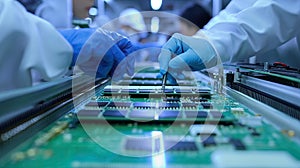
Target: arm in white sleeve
[[28, 43], [253, 29]]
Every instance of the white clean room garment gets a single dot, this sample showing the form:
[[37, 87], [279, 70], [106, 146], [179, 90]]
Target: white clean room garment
[[28, 43], [268, 29]]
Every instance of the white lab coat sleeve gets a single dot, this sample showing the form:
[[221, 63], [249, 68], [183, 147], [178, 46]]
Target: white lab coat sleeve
[[254, 28], [28, 43]]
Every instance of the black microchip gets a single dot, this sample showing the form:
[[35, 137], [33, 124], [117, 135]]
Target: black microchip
[[88, 113], [97, 104], [208, 141], [171, 99], [169, 114], [207, 105], [115, 113], [185, 105], [196, 114], [254, 133], [142, 114], [216, 114], [119, 104], [144, 104], [168, 105], [238, 144], [181, 146], [139, 144]]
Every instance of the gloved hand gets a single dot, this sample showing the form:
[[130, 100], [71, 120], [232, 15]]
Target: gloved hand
[[99, 52], [185, 53]]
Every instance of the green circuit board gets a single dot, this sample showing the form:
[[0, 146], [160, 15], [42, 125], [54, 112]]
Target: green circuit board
[[135, 124]]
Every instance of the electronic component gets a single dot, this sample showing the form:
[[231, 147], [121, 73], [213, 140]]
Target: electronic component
[[139, 144], [168, 105], [145, 114], [169, 114], [88, 113], [189, 105], [181, 146], [216, 114], [97, 104], [207, 105], [147, 143], [196, 114], [115, 113], [238, 144], [119, 104], [208, 141], [203, 130]]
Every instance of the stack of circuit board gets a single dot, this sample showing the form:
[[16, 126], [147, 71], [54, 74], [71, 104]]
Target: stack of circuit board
[[134, 123]]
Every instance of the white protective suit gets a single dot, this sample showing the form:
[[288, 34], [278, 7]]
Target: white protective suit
[[29, 45], [257, 27], [57, 12]]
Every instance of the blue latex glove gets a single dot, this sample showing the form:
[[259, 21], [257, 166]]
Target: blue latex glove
[[185, 53], [100, 52]]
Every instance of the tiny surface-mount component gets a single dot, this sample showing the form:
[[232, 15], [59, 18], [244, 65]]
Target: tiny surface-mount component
[[171, 99], [169, 114], [119, 104], [208, 141], [97, 104], [189, 105], [115, 113], [168, 105], [88, 113], [216, 114], [207, 105], [238, 144], [148, 114], [196, 114], [180, 146], [139, 144], [203, 130]]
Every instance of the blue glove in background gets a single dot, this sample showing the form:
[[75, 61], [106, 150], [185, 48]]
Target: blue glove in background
[[99, 52], [185, 53]]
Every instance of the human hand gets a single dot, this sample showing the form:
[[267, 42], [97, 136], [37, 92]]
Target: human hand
[[186, 53], [100, 52]]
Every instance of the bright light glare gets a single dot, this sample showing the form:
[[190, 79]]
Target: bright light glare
[[158, 154], [154, 24], [156, 4]]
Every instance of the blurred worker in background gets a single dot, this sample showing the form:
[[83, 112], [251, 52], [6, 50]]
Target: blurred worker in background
[[132, 25], [193, 18], [59, 13], [241, 30], [31, 49]]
